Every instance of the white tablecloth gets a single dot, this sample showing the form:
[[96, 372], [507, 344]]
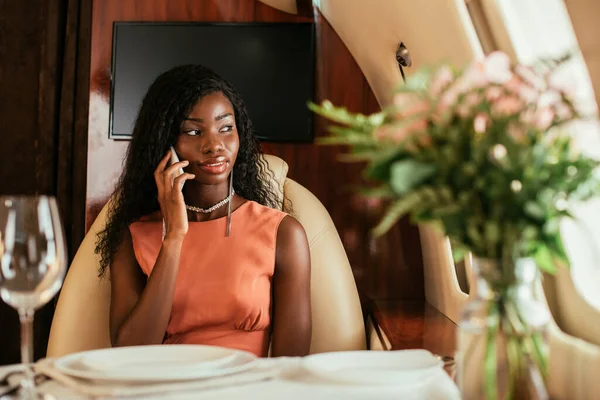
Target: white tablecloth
[[300, 387]]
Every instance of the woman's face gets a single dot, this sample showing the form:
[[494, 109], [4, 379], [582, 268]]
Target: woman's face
[[209, 139]]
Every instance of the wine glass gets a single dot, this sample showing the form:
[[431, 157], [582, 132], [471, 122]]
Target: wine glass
[[32, 265]]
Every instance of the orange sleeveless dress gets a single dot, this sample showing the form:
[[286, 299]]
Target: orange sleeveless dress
[[223, 289]]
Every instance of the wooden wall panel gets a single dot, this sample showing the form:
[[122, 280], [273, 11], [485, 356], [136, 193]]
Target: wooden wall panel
[[39, 145], [387, 268], [73, 122]]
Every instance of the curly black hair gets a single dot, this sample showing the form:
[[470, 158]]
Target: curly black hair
[[167, 103]]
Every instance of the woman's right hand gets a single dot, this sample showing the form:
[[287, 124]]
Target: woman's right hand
[[170, 196]]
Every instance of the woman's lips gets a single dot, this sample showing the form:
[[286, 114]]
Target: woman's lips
[[214, 167]]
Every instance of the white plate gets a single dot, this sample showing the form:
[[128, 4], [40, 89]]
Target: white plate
[[374, 367], [155, 363]]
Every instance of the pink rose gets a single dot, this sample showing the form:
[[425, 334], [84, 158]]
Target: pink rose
[[441, 113], [425, 141], [493, 93], [440, 81], [563, 112], [460, 86], [448, 99], [497, 68], [481, 122], [529, 77], [528, 94], [517, 132], [524, 91], [399, 132], [463, 111], [472, 99], [473, 77], [540, 118], [528, 116], [408, 129], [465, 108], [507, 105], [544, 118], [410, 104]]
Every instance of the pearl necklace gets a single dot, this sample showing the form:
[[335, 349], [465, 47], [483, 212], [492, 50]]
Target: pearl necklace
[[213, 208]]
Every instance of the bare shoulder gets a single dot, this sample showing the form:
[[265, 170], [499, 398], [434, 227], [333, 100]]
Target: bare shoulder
[[292, 245], [290, 231]]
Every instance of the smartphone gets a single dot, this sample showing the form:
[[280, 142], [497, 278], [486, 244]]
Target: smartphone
[[174, 159]]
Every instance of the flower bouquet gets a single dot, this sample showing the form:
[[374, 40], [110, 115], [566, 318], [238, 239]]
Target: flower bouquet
[[482, 155]]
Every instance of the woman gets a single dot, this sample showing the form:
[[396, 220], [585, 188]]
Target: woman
[[178, 275]]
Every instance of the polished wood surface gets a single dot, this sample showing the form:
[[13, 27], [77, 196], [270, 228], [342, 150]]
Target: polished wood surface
[[390, 267], [304, 7], [415, 325], [73, 121], [43, 120]]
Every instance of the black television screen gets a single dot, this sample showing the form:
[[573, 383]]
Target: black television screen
[[270, 64]]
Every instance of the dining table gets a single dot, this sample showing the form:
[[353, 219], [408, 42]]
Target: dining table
[[270, 378]]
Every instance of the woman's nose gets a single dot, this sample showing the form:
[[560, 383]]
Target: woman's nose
[[212, 145]]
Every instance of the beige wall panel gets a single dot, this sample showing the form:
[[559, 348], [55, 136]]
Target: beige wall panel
[[584, 17], [288, 6], [434, 31]]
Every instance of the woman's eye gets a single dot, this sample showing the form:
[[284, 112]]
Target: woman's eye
[[227, 128], [192, 132]]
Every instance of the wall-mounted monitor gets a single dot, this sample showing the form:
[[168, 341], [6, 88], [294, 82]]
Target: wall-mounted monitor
[[272, 65]]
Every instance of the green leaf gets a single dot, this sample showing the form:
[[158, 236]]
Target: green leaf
[[514, 356], [543, 258], [557, 248], [539, 354], [490, 364], [383, 191], [351, 140], [339, 130], [458, 253], [534, 210], [379, 169], [341, 115], [396, 211], [406, 174], [530, 232], [429, 195], [473, 233], [373, 155], [418, 81], [447, 209], [491, 232]]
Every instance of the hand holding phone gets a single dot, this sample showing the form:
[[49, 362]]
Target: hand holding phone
[[169, 181], [174, 159]]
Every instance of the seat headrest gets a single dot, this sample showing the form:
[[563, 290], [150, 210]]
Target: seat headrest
[[279, 169]]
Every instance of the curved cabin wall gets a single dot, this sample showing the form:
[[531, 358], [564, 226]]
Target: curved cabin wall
[[584, 17], [389, 267], [433, 31]]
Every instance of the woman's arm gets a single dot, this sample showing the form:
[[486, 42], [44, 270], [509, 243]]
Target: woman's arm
[[292, 323], [140, 310]]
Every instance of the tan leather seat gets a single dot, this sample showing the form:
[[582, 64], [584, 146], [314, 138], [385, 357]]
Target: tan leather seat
[[81, 317]]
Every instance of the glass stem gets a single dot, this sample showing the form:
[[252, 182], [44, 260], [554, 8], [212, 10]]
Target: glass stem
[[26, 318]]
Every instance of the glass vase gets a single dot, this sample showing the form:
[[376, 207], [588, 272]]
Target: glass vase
[[502, 344]]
